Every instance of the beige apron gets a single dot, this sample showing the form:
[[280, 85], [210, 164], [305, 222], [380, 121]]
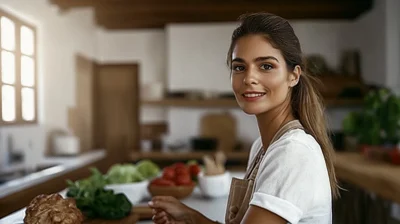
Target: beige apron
[[241, 190]]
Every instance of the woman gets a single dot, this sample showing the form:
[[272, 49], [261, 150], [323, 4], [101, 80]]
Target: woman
[[290, 176]]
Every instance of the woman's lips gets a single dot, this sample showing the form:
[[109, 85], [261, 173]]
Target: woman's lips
[[252, 96]]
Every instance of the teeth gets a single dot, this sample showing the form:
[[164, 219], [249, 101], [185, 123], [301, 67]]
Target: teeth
[[253, 94]]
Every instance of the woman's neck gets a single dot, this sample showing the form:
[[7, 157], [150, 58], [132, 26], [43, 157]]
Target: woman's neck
[[270, 122]]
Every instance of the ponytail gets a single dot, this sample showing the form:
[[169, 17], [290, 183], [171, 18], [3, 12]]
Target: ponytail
[[308, 109]]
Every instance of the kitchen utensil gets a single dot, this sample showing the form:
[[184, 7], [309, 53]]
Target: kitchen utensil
[[210, 166], [220, 160], [214, 166]]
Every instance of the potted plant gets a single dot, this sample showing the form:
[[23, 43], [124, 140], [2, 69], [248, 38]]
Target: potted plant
[[377, 125]]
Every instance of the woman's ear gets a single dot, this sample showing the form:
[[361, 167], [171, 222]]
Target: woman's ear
[[295, 76]]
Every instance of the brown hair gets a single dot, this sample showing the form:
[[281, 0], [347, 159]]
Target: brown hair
[[306, 101]]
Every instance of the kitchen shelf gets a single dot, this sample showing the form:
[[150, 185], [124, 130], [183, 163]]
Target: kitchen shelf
[[231, 103], [197, 155], [192, 103]]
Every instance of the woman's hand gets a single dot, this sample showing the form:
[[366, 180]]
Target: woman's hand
[[169, 210]]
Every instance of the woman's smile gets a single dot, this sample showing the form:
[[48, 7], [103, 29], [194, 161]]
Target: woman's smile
[[252, 96]]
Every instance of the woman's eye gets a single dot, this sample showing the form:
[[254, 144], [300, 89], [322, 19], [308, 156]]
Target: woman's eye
[[266, 67], [238, 68]]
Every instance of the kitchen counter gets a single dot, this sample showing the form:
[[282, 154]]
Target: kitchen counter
[[61, 165], [377, 177], [212, 208], [380, 178]]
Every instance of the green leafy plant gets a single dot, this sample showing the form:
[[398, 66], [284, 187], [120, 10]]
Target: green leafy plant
[[379, 121], [130, 173], [96, 202]]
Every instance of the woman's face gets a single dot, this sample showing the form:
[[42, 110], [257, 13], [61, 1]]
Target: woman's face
[[259, 76]]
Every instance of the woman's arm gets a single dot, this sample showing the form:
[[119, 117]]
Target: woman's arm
[[166, 207], [256, 215]]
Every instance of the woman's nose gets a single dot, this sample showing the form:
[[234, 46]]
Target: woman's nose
[[250, 78]]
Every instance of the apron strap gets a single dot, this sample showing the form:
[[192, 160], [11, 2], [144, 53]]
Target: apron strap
[[295, 124]]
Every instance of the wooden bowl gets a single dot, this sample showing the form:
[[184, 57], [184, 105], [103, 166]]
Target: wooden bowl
[[179, 192]]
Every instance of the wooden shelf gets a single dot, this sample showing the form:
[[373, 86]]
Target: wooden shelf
[[197, 155], [192, 103], [231, 103]]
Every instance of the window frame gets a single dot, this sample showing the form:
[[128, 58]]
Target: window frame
[[18, 23]]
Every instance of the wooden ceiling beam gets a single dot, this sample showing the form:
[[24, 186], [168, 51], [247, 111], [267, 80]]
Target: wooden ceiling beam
[[315, 9], [135, 3], [130, 14], [160, 21], [159, 16]]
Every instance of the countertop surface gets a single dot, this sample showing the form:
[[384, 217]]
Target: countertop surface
[[213, 208], [61, 166], [378, 177]]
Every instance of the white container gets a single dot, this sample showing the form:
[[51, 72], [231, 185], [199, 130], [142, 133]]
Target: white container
[[214, 186], [135, 192], [152, 91], [66, 145]]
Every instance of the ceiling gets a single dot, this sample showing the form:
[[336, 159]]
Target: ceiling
[[139, 14]]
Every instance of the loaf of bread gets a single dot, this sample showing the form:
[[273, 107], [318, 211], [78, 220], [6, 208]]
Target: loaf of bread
[[52, 209]]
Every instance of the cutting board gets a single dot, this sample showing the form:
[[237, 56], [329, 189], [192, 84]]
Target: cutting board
[[221, 126], [138, 213], [131, 219]]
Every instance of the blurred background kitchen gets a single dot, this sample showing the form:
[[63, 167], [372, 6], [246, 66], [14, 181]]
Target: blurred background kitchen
[[99, 82]]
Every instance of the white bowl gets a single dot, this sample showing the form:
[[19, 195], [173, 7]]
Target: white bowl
[[135, 192], [214, 186]]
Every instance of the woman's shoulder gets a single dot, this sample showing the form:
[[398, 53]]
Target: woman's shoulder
[[296, 149], [294, 170], [298, 141]]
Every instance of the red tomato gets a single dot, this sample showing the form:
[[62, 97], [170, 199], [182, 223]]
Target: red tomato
[[168, 173], [176, 165], [162, 182], [194, 170], [182, 171], [394, 156], [183, 179]]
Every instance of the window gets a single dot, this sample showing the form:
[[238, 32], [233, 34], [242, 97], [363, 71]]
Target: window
[[18, 77]]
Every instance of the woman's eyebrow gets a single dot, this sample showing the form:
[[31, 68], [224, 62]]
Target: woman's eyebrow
[[266, 58]]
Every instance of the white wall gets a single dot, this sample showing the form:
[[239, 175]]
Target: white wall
[[144, 47], [393, 43], [196, 56], [59, 39]]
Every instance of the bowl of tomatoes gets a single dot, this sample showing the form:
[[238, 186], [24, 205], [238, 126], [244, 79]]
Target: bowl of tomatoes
[[177, 180]]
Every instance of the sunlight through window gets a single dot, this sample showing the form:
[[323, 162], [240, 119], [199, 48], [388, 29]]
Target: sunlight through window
[[28, 104], [7, 67], [7, 34], [27, 41], [8, 103], [27, 71]]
